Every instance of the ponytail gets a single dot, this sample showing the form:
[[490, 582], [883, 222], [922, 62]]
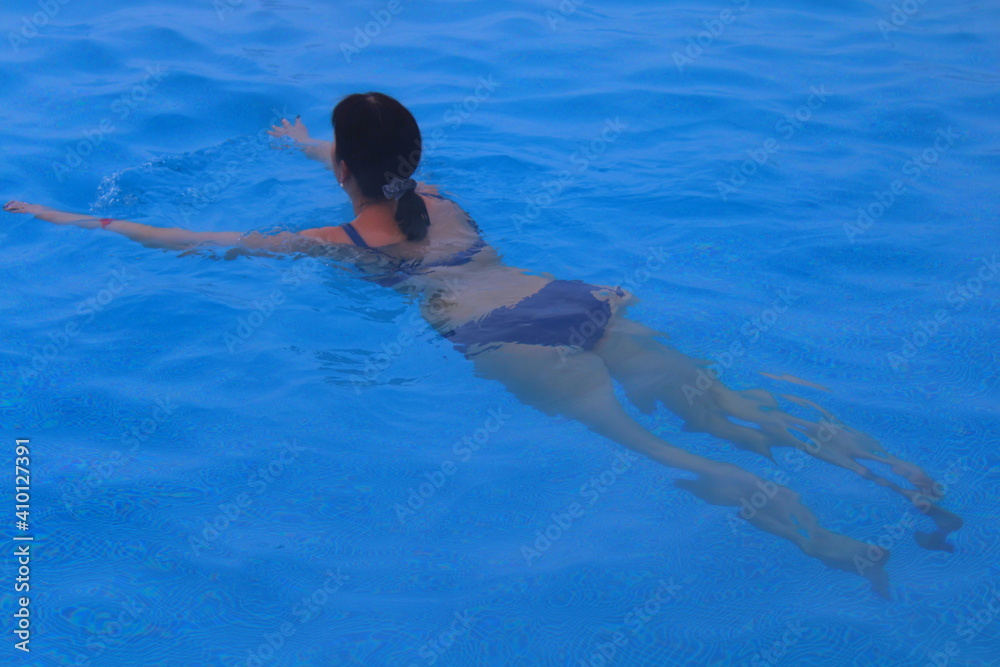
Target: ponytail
[[411, 215]]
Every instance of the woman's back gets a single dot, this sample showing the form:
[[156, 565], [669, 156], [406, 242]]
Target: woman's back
[[459, 275]]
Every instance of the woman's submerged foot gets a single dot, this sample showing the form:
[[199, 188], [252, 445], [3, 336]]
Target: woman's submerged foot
[[778, 510], [828, 440]]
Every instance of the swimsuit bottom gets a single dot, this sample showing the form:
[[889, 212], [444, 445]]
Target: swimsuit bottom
[[564, 313]]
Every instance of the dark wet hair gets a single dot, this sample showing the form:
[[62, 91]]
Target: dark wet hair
[[378, 139]]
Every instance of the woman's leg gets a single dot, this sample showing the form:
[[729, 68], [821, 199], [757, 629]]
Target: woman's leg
[[579, 386], [650, 371]]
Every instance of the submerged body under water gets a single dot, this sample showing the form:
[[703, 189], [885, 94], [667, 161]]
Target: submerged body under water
[[558, 345], [223, 445]]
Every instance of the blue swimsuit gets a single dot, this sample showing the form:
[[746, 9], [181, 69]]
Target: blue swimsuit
[[564, 313], [403, 270]]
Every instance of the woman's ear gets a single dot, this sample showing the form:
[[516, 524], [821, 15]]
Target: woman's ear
[[341, 171]]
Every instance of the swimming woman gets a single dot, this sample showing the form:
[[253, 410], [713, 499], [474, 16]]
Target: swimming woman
[[556, 344]]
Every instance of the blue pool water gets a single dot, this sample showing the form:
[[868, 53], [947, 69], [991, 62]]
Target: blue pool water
[[713, 157]]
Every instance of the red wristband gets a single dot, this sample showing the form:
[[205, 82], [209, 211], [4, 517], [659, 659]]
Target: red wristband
[[105, 222]]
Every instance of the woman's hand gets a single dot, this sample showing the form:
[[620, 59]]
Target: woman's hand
[[298, 131], [23, 207], [54, 215], [314, 148]]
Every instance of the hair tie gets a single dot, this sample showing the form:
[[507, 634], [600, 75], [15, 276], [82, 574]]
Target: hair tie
[[397, 187]]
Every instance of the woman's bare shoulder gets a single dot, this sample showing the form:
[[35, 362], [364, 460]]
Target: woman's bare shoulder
[[334, 234], [427, 189]]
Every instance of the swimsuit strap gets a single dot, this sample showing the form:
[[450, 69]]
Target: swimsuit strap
[[354, 235]]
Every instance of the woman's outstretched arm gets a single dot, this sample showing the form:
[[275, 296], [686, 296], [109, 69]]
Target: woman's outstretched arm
[[172, 238], [317, 149]]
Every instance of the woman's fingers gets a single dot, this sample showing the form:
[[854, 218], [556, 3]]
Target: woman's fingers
[[296, 130], [281, 131], [15, 206]]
